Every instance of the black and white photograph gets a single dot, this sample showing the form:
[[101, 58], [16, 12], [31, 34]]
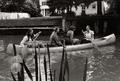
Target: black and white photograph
[[59, 40]]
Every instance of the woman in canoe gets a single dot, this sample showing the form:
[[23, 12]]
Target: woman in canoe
[[70, 36], [88, 35], [29, 37], [54, 38]]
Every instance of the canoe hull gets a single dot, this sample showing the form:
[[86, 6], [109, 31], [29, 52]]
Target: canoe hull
[[98, 42]]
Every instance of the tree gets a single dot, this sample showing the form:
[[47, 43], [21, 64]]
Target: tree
[[31, 8], [20, 6], [11, 5]]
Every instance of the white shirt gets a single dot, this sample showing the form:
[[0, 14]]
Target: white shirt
[[24, 40], [89, 35]]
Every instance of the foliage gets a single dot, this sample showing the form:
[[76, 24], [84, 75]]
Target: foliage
[[20, 6], [11, 5], [31, 9]]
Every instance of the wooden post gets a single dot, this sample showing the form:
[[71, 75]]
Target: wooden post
[[105, 27], [63, 24], [96, 27]]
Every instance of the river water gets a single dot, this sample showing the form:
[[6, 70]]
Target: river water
[[102, 66]]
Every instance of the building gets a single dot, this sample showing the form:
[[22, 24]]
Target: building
[[90, 10], [44, 7]]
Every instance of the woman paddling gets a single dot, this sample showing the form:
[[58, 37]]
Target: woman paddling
[[29, 37], [88, 35]]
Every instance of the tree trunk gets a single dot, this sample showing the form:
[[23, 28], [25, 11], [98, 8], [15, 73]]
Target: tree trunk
[[99, 7]]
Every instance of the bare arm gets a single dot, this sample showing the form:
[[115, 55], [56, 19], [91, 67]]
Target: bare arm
[[92, 35]]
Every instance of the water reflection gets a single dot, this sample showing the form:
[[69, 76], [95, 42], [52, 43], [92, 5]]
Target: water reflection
[[99, 63], [102, 66]]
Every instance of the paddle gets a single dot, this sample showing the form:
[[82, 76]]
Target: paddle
[[91, 40], [36, 35], [95, 46]]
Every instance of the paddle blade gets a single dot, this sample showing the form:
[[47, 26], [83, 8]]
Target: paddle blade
[[96, 47], [27, 70]]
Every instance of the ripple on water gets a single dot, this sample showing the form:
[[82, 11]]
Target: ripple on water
[[102, 66]]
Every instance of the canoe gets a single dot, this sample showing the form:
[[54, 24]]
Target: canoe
[[70, 48]]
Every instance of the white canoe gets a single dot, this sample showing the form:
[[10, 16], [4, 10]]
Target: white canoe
[[70, 48]]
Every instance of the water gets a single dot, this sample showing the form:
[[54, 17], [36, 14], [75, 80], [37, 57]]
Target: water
[[102, 66]]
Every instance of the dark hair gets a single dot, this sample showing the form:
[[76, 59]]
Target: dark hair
[[29, 30], [29, 33], [71, 27]]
